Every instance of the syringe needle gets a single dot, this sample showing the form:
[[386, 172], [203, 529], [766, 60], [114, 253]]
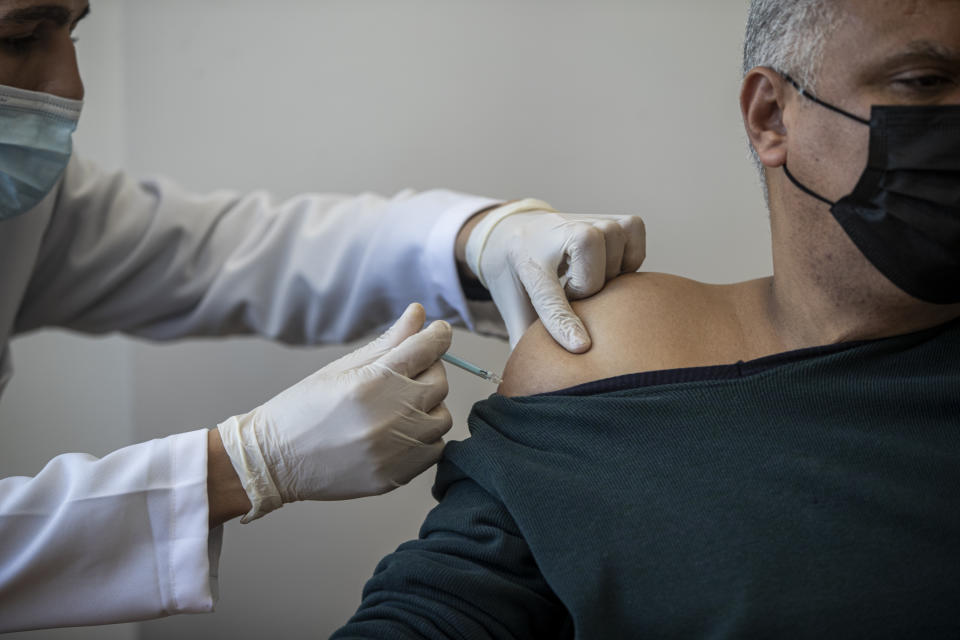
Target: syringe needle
[[472, 368]]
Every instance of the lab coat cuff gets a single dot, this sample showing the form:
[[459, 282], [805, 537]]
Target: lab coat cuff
[[194, 549], [441, 262]]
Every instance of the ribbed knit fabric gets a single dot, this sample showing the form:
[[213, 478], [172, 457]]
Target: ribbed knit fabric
[[812, 495]]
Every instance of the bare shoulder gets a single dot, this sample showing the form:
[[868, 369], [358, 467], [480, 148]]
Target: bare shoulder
[[638, 322]]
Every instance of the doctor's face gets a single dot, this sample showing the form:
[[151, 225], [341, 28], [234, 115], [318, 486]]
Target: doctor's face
[[36, 45]]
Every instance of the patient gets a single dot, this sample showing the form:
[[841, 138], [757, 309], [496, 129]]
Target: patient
[[774, 458]]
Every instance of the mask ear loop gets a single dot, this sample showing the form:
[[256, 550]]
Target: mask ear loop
[[809, 96], [806, 190]]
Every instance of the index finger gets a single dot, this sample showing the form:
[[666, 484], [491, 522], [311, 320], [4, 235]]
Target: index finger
[[417, 353], [550, 302]]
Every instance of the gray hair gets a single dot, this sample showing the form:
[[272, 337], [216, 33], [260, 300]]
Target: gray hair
[[788, 35]]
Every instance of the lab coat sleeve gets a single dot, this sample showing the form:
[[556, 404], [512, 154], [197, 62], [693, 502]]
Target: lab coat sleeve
[[471, 574], [150, 259], [117, 539]]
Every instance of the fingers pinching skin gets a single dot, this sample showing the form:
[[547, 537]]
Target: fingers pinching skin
[[550, 303], [616, 240], [586, 251], [416, 353], [524, 252], [635, 250]]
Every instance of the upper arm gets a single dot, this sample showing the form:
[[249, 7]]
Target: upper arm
[[470, 574], [638, 322]]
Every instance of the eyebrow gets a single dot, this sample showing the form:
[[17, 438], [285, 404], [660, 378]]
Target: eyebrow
[[58, 14], [924, 50]]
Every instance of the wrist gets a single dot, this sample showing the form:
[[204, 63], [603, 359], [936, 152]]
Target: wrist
[[225, 494], [473, 289], [483, 227], [460, 246]]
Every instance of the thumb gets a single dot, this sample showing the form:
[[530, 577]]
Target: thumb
[[409, 323], [550, 303]]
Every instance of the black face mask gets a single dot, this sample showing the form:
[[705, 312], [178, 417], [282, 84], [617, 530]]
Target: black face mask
[[904, 213]]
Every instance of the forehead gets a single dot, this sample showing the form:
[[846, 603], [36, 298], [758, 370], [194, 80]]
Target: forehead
[[873, 30]]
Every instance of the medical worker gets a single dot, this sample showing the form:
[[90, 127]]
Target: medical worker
[[136, 534]]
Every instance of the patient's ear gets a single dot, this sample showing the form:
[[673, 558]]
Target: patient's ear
[[761, 103]]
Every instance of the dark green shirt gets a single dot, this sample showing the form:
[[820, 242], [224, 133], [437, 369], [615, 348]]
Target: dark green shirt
[[813, 494]]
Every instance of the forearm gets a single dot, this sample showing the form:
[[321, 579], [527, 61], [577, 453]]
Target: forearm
[[225, 493]]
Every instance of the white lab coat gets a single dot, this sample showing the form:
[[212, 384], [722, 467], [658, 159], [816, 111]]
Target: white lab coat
[[125, 537]]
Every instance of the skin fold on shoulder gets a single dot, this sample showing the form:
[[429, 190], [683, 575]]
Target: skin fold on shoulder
[[645, 322]]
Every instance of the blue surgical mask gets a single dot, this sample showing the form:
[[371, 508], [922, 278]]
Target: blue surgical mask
[[36, 132]]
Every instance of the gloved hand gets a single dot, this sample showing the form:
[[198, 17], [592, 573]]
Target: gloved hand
[[532, 259], [362, 425]]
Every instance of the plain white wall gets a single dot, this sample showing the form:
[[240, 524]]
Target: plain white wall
[[603, 106]]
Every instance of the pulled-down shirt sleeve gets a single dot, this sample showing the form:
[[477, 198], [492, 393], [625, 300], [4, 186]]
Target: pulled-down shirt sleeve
[[469, 575]]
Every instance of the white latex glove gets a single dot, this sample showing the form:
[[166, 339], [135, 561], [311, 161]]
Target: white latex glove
[[532, 259], [362, 425]]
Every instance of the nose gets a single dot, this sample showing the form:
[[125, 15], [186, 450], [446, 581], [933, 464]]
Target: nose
[[63, 71]]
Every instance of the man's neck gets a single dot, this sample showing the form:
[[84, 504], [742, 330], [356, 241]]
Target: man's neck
[[803, 312], [824, 290]]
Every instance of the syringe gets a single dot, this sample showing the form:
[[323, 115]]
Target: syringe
[[472, 368]]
